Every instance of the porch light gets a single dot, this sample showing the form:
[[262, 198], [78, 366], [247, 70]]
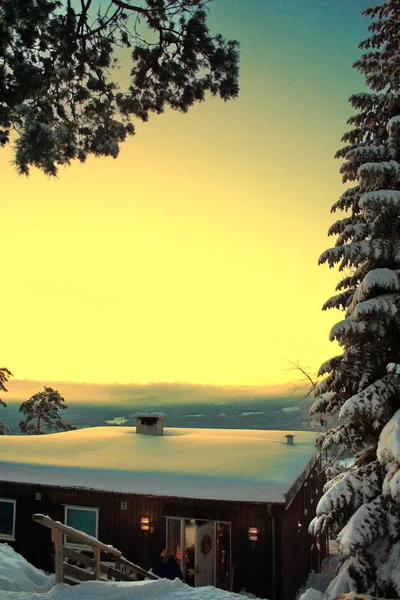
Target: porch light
[[145, 524], [253, 534], [299, 526]]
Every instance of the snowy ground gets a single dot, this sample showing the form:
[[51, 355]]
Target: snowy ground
[[317, 583], [19, 580]]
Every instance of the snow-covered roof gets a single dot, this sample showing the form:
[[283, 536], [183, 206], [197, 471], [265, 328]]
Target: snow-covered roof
[[218, 464]]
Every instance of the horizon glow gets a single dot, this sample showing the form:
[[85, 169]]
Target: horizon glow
[[192, 257]]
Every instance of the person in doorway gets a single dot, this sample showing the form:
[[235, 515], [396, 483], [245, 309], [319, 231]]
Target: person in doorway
[[167, 567]]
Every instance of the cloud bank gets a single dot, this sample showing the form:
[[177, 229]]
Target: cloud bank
[[155, 393]]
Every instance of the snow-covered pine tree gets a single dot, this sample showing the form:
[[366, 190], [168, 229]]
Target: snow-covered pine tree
[[41, 413], [361, 388]]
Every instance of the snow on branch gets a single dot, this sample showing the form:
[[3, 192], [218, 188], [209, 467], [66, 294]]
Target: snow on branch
[[353, 489], [344, 582], [340, 225], [346, 328], [343, 495], [381, 174], [388, 573], [364, 154], [393, 126], [389, 441], [340, 301], [381, 306], [356, 156], [357, 253], [347, 200], [354, 232], [391, 484], [366, 525], [382, 279], [329, 365], [366, 100], [378, 199], [372, 402], [346, 435]]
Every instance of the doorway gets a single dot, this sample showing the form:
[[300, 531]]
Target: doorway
[[202, 549]]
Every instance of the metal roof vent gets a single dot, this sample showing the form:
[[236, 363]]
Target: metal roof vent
[[289, 439], [150, 423]]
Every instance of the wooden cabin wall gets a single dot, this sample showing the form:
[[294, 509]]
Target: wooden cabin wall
[[290, 548], [31, 540], [298, 548], [121, 527]]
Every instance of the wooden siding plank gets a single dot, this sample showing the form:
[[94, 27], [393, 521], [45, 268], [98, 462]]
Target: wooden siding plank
[[59, 561], [96, 562], [136, 568], [77, 557], [77, 573], [111, 572]]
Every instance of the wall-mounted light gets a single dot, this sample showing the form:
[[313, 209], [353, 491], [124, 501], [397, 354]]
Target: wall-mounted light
[[253, 534], [299, 526], [145, 524]]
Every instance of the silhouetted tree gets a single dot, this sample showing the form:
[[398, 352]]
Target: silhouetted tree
[[42, 413], [5, 374], [56, 72]]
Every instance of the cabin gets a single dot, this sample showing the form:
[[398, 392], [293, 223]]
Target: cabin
[[232, 506]]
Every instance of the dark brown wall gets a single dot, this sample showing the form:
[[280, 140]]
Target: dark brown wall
[[299, 553], [253, 560], [121, 528]]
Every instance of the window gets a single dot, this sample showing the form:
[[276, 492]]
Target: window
[[82, 518], [7, 519]]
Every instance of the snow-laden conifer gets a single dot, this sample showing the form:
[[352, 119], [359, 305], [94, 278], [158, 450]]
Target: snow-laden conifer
[[361, 389]]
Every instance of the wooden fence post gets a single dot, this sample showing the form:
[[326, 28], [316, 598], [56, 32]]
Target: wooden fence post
[[96, 558], [57, 538]]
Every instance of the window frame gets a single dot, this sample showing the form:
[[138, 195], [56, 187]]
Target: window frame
[[6, 536], [76, 544]]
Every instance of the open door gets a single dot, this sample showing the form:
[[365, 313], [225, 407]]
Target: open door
[[202, 549], [205, 554]]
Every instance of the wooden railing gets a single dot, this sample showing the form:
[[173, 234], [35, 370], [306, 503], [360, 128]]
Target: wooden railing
[[94, 567]]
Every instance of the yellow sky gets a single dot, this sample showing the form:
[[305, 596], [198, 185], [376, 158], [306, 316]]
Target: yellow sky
[[192, 257]]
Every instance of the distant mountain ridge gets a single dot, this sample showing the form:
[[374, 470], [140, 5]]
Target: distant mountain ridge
[[281, 413]]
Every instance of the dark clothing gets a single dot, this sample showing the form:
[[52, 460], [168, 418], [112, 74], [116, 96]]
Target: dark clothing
[[169, 569]]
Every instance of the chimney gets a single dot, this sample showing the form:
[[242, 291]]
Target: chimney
[[289, 439], [150, 423]]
